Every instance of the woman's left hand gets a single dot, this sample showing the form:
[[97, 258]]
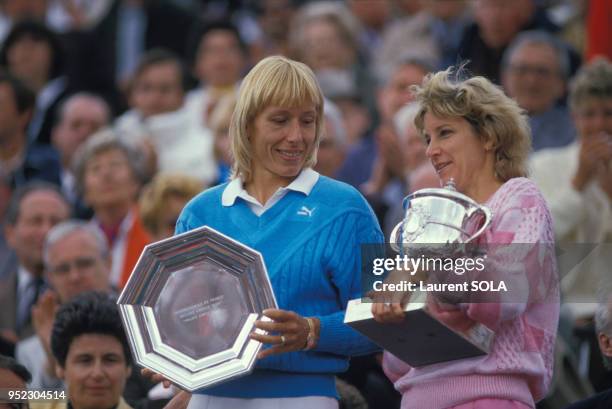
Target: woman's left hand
[[287, 332]]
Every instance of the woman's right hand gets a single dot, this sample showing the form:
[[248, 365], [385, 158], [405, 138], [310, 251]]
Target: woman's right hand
[[155, 377]]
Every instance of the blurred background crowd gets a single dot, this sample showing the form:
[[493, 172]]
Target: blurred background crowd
[[114, 113]]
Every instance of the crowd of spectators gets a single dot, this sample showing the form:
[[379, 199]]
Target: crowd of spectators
[[115, 113]]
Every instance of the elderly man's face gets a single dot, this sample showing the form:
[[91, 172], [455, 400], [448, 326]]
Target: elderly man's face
[[605, 345], [82, 117], [75, 265], [533, 77], [109, 180], [39, 211], [95, 371]]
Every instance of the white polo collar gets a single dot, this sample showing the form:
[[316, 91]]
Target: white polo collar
[[235, 189]]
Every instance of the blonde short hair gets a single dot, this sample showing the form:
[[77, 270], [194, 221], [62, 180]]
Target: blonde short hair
[[155, 195], [494, 117], [594, 80], [276, 81]]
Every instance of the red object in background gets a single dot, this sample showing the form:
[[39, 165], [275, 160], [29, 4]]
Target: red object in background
[[137, 239], [599, 29]]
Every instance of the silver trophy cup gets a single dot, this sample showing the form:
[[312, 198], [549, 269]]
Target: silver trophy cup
[[438, 223], [436, 219]]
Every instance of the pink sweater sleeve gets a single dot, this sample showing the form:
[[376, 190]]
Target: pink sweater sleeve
[[520, 243]]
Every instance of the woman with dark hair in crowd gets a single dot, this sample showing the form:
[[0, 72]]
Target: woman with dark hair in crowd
[[33, 53]]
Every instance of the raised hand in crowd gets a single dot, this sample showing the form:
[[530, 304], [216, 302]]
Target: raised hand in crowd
[[594, 160], [43, 315]]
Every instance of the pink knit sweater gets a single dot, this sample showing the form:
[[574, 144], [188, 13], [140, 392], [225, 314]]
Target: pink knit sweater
[[519, 366]]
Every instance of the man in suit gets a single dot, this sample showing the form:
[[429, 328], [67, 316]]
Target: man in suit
[[34, 209], [535, 70], [80, 116], [21, 161], [76, 259]]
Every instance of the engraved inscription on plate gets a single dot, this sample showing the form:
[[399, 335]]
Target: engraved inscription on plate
[[200, 302]]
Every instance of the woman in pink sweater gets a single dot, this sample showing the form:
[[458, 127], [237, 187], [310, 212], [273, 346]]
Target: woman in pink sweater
[[480, 138]]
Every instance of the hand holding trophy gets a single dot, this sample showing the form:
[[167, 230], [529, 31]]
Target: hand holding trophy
[[201, 304]]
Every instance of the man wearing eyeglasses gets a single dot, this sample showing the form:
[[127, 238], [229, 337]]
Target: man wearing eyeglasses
[[535, 70], [76, 259], [32, 211]]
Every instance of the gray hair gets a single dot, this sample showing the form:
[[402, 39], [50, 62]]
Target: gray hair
[[333, 11], [603, 319], [65, 104], [405, 117], [105, 140], [593, 80], [334, 116], [385, 72], [603, 313], [540, 37], [68, 227]]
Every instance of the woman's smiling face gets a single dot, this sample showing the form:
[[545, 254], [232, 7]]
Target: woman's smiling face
[[457, 152], [282, 139]]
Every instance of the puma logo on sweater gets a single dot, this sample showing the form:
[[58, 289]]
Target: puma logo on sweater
[[304, 211]]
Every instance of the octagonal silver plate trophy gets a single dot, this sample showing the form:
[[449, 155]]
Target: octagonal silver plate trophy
[[190, 304]]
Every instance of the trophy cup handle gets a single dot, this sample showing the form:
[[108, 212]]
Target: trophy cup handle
[[395, 236], [488, 217]]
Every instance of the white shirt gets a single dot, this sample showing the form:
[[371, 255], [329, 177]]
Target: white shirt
[[24, 277], [26, 290], [47, 95], [69, 185], [181, 146], [235, 189]]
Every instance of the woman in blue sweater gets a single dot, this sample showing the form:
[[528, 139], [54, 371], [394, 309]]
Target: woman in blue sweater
[[309, 229]]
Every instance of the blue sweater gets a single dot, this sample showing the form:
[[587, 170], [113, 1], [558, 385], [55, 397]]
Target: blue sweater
[[314, 264]]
